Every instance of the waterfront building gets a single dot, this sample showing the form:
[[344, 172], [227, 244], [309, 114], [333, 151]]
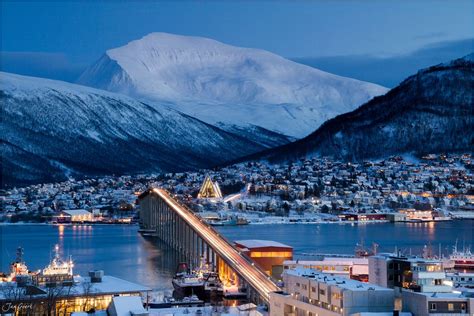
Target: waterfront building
[[421, 284], [416, 274], [351, 268], [82, 294], [435, 304], [460, 279], [268, 255], [417, 215], [75, 216], [309, 292]]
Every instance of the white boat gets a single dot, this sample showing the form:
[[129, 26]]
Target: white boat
[[58, 266]]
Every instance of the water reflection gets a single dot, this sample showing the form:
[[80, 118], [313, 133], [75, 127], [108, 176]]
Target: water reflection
[[121, 251]]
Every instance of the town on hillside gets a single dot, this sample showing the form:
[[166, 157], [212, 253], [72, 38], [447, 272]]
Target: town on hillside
[[434, 187]]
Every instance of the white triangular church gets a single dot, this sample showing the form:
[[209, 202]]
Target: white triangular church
[[209, 190]]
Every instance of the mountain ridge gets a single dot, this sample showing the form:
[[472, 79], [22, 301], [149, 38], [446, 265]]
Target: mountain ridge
[[52, 130], [227, 85], [428, 112]]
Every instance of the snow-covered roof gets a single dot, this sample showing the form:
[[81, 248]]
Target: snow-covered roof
[[76, 212], [340, 282], [257, 243], [127, 305], [110, 284]]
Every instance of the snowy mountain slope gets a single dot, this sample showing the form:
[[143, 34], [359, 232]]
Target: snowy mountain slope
[[223, 84], [429, 112], [52, 129]]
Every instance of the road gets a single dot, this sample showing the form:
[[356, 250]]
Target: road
[[256, 278]]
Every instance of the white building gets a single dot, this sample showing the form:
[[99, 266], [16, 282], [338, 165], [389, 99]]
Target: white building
[[311, 293], [417, 274], [437, 304], [78, 215], [422, 285], [352, 268]]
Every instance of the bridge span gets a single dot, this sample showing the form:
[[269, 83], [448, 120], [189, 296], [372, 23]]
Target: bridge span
[[176, 225]]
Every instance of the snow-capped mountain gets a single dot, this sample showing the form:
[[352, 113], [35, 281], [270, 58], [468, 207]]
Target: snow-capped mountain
[[429, 112], [226, 85], [52, 129]]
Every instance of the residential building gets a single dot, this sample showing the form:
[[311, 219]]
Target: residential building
[[309, 292]]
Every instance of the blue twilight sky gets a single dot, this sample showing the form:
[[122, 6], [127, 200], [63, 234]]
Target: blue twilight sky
[[58, 39]]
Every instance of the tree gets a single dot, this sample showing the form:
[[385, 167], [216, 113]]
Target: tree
[[87, 290], [57, 295]]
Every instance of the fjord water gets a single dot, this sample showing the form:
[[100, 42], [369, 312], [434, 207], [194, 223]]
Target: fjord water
[[121, 251]]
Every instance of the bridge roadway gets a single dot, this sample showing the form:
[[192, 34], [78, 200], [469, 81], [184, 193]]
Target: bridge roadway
[[256, 278]]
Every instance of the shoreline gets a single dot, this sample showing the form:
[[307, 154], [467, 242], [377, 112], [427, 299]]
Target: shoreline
[[277, 222]]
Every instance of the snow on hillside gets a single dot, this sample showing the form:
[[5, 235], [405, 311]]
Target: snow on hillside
[[227, 85], [52, 129], [429, 112]]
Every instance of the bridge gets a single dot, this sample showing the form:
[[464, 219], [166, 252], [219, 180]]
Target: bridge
[[176, 225]]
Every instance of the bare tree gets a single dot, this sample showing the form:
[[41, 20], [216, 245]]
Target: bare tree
[[87, 290], [57, 296], [12, 294]]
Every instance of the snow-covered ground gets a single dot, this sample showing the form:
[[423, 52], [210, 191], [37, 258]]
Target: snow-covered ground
[[53, 130], [228, 85]]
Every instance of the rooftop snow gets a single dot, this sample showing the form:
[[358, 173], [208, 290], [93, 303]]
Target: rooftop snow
[[256, 243], [330, 279]]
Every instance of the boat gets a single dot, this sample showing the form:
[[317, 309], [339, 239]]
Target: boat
[[187, 283], [229, 221], [58, 266], [213, 285], [362, 252], [18, 267], [462, 259], [242, 221]]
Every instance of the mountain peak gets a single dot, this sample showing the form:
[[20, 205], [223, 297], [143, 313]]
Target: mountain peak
[[166, 41], [227, 85]]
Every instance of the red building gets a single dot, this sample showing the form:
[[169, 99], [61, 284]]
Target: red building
[[269, 255]]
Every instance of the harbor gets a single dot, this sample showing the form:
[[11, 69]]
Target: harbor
[[147, 262]]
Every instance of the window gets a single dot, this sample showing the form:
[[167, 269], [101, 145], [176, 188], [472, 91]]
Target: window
[[297, 284], [313, 289], [322, 292], [450, 306], [438, 282], [271, 254], [432, 306]]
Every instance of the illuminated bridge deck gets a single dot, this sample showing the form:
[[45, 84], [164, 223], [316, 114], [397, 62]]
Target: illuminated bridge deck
[[255, 277]]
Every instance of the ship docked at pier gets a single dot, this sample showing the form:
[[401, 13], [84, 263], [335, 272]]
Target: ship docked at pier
[[462, 259], [202, 282]]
